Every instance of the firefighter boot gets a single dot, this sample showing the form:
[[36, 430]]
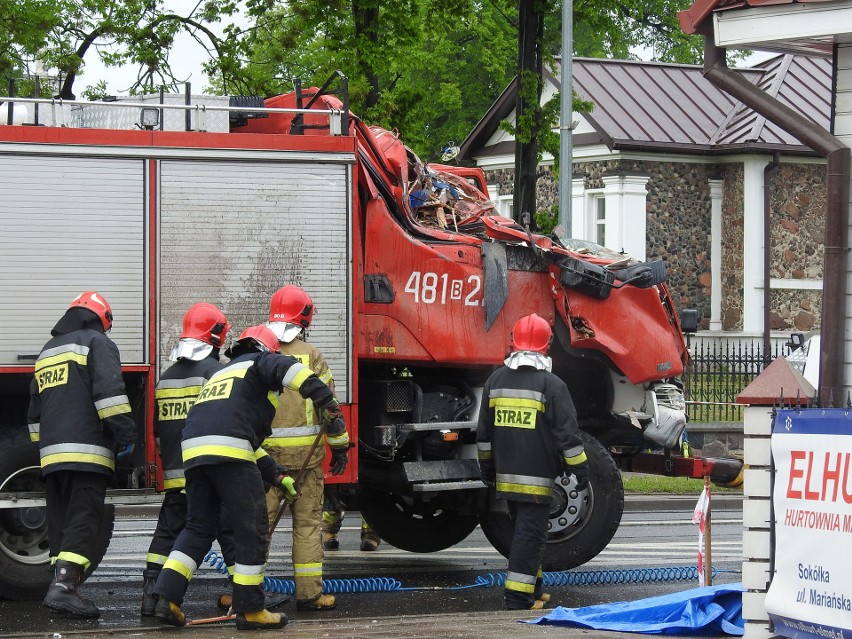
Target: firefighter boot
[[263, 620], [323, 602], [271, 601], [331, 523], [169, 612], [369, 539], [62, 596], [330, 541], [149, 599]]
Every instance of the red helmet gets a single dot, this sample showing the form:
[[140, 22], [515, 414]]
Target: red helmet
[[291, 304], [262, 337], [97, 304], [532, 333], [205, 322]]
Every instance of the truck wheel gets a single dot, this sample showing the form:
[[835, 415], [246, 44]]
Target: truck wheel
[[24, 552], [415, 526], [581, 524]]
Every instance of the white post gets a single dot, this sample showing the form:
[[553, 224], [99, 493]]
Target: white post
[[716, 190]]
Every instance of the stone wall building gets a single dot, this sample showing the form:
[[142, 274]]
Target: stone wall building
[[668, 167]]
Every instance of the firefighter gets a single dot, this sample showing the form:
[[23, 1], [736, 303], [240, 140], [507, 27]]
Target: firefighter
[[294, 430], [80, 416], [333, 514], [205, 329], [225, 467], [526, 437]]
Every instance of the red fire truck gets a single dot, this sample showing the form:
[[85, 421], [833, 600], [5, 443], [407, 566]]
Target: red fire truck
[[160, 202]]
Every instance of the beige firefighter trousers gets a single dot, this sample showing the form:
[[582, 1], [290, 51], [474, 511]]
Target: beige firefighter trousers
[[307, 520]]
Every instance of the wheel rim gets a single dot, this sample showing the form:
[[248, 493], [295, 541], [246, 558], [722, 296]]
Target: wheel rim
[[570, 509], [23, 531]]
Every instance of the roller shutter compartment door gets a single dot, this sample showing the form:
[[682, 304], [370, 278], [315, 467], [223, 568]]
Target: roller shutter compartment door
[[70, 224], [232, 233]]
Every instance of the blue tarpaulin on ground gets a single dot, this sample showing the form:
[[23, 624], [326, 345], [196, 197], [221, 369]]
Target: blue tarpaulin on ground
[[711, 610]]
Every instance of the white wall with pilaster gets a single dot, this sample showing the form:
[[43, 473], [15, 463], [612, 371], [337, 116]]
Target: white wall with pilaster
[[753, 243]]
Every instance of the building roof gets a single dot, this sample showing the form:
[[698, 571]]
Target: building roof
[[691, 19], [652, 106]]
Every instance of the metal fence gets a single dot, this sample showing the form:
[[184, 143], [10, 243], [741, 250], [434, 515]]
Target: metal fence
[[719, 371]]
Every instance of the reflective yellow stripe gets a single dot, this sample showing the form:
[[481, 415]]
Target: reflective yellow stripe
[[171, 393], [79, 358], [307, 570], [337, 440], [273, 399], [523, 489], [517, 586], [74, 558], [170, 484], [289, 442], [247, 580], [230, 372], [218, 451], [83, 458], [118, 409], [248, 575], [577, 459], [295, 381], [181, 563], [154, 558], [515, 402]]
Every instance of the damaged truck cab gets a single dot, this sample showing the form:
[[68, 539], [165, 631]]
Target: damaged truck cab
[[444, 280]]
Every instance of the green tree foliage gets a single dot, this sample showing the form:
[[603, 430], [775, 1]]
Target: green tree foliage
[[419, 66], [60, 35], [432, 68], [429, 68]]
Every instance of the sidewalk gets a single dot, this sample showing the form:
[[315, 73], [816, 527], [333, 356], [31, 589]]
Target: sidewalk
[[494, 625]]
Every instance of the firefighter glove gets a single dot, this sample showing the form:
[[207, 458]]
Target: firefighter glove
[[330, 412], [289, 486], [125, 451], [581, 474], [339, 459]]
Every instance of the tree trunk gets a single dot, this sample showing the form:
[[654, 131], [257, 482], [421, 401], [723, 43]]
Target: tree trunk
[[527, 109]]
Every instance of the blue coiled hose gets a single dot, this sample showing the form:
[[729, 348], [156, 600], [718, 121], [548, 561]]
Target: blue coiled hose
[[491, 580]]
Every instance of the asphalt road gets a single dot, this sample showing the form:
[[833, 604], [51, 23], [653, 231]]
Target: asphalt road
[[449, 592]]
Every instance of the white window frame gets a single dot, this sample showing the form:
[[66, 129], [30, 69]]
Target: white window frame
[[504, 203], [625, 222]]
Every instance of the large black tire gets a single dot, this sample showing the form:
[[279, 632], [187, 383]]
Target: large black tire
[[581, 524], [412, 525], [24, 552]]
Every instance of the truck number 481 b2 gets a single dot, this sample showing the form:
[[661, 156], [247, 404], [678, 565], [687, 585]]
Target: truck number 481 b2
[[431, 288]]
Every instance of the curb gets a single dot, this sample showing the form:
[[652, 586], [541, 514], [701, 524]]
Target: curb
[[668, 502]]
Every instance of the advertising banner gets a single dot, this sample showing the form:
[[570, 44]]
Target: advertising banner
[[811, 590]]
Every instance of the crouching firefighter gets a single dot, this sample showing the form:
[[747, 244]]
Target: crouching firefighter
[[526, 437], [225, 467]]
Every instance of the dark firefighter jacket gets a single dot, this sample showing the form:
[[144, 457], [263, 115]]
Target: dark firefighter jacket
[[176, 393], [234, 410], [79, 412], [527, 433]]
